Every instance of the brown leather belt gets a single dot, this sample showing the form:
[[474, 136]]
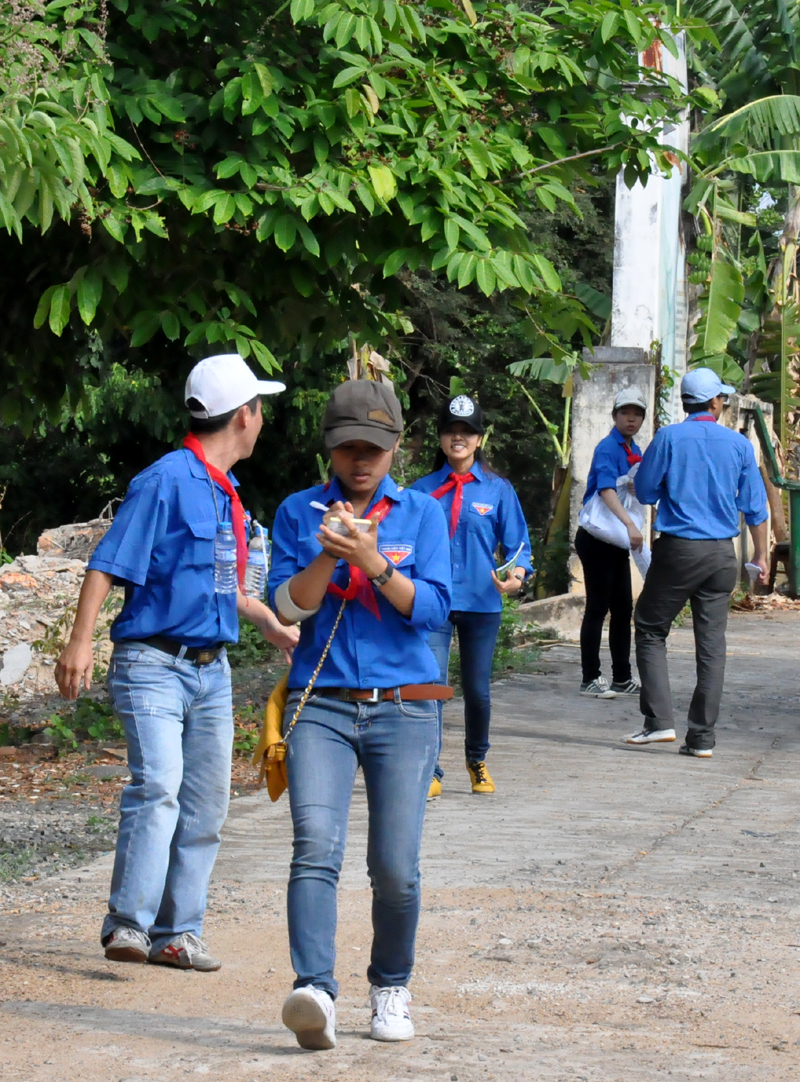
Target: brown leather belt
[[408, 693]]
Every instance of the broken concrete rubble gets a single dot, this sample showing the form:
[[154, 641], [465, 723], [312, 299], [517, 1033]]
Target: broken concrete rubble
[[38, 595]]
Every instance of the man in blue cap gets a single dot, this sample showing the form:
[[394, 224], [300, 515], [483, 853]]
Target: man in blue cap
[[702, 476]]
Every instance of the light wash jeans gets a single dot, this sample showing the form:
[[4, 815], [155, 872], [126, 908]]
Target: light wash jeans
[[178, 723], [477, 638], [395, 744]]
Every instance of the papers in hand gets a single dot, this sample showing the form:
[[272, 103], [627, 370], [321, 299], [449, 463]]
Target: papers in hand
[[510, 563]]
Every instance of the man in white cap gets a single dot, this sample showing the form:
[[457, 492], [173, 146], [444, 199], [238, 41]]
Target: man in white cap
[[702, 476], [169, 678]]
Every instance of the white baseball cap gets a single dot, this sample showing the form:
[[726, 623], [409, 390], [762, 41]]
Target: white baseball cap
[[632, 396], [223, 383]]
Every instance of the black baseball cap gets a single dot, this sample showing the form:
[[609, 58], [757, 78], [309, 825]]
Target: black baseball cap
[[462, 408], [363, 409]]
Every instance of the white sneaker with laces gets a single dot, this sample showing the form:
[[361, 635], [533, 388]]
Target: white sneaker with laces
[[650, 736], [598, 689], [310, 1014], [391, 1020]]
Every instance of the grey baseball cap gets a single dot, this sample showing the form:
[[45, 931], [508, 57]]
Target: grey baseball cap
[[363, 409]]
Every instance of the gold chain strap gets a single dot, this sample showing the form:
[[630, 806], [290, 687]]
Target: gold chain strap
[[314, 675]]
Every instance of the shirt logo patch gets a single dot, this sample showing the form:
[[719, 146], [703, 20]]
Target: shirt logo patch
[[483, 508], [396, 553], [462, 406]]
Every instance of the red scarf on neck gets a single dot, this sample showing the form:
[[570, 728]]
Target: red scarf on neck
[[193, 444], [456, 481], [633, 458], [359, 586]]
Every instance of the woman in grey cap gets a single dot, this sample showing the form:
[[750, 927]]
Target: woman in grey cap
[[606, 567], [368, 592]]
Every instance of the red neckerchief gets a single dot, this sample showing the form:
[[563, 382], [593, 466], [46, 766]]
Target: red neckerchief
[[633, 458], [456, 481], [359, 586], [193, 444], [703, 417]]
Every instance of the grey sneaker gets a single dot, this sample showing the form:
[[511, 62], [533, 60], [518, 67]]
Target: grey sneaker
[[185, 951], [127, 944], [630, 687], [699, 753], [598, 689], [310, 1014], [651, 736]]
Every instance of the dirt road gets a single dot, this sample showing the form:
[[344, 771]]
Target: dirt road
[[611, 913]]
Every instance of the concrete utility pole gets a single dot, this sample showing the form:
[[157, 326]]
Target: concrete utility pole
[[649, 293]]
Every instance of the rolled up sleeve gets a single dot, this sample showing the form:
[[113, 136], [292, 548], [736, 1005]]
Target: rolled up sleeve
[[751, 499], [284, 554], [432, 575], [138, 525]]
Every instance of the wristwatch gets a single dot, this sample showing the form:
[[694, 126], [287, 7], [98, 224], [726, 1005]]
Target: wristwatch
[[385, 575], [519, 578]]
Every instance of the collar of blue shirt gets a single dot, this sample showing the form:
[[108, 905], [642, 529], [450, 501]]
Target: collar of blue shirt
[[198, 470], [476, 470], [387, 487]]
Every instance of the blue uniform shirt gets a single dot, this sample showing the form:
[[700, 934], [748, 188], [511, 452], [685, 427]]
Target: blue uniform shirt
[[490, 516], [702, 475], [160, 547], [366, 652], [610, 461]]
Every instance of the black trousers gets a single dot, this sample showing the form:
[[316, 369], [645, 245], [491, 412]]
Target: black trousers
[[704, 573], [607, 575]]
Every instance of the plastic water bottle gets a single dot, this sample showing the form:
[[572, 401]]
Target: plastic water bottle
[[255, 576], [225, 576]]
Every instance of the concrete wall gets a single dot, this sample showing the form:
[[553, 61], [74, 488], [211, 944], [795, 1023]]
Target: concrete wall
[[613, 370]]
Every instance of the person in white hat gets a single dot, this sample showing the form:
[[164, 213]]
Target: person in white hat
[[607, 567], [169, 678], [702, 476]]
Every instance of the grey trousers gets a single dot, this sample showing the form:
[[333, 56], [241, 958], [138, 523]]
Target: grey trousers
[[704, 573]]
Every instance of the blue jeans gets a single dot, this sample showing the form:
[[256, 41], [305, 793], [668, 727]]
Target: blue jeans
[[178, 723], [395, 744], [477, 635]]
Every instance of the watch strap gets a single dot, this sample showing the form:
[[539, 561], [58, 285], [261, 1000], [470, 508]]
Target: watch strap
[[385, 575]]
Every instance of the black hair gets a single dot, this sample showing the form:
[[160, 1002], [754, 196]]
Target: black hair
[[205, 426], [440, 458], [697, 407]]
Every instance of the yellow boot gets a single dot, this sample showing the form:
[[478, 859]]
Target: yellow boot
[[435, 789], [480, 777]]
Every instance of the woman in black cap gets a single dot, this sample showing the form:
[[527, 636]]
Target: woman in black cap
[[483, 512], [364, 686]]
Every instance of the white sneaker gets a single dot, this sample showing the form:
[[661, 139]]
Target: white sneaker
[[391, 1020], [650, 736], [598, 689], [311, 1015]]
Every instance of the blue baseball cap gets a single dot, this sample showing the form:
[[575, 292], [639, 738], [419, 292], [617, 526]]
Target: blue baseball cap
[[701, 385]]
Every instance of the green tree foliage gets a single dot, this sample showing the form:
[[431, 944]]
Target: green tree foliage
[[260, 174]]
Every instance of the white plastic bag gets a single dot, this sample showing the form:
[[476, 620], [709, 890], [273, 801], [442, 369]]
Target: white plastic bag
[[598, 519]]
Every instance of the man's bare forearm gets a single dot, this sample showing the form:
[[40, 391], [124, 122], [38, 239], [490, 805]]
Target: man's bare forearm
[[95, 590]]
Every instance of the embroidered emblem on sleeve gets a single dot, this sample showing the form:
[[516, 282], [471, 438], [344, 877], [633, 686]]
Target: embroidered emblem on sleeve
[[483, 508], [396, 553]]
